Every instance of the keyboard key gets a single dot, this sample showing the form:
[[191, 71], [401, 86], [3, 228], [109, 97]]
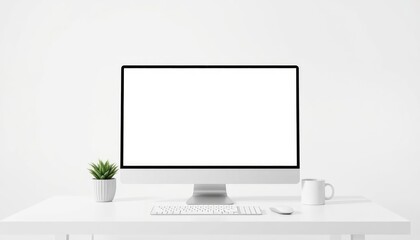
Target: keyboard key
[[205, 210]]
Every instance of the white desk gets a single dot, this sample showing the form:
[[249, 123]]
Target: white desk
[[63, 216]]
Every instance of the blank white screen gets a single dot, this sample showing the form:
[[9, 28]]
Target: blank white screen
[[210, 117]]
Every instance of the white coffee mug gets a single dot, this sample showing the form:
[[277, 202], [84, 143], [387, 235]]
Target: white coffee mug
[[313, 191]]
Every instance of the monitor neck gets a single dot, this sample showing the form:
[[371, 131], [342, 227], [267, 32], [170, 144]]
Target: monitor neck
[[209, 194]]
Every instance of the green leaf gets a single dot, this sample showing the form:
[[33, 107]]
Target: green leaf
[[104, 176], [94, 174], [103, 169], [94, 167]]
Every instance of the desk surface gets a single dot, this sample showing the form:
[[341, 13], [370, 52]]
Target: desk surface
[[81, 215]]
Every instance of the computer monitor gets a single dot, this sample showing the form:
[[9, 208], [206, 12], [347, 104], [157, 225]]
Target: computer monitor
[[210, 126]]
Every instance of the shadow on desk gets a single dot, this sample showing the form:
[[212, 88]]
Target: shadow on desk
[[132, 199], [335, 200], [347, 200], [277, 199]]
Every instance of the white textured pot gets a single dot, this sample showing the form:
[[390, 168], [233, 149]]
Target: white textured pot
[[104, 189]]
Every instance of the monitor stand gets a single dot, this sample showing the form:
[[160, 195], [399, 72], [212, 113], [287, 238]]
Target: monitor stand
[[209, 194]]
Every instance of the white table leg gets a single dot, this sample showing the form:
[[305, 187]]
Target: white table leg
[[335, 237], [62, 237], [357, 237]]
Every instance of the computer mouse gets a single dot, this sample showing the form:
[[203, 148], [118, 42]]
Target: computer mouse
[[282, 210]]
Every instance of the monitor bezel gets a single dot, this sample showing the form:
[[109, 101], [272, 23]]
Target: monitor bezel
[[122, 166]]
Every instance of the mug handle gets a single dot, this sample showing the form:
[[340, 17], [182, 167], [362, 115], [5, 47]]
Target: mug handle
[[332, 191]]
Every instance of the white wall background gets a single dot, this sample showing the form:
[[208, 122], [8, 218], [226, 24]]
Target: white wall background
[[359, 61]]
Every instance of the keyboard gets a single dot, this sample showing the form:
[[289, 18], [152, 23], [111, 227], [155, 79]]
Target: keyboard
[[205, 210]]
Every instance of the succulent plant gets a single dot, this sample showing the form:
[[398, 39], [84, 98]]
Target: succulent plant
[[103, 170]]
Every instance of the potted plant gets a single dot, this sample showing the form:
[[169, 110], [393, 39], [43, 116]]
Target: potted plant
[[103, 181]]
